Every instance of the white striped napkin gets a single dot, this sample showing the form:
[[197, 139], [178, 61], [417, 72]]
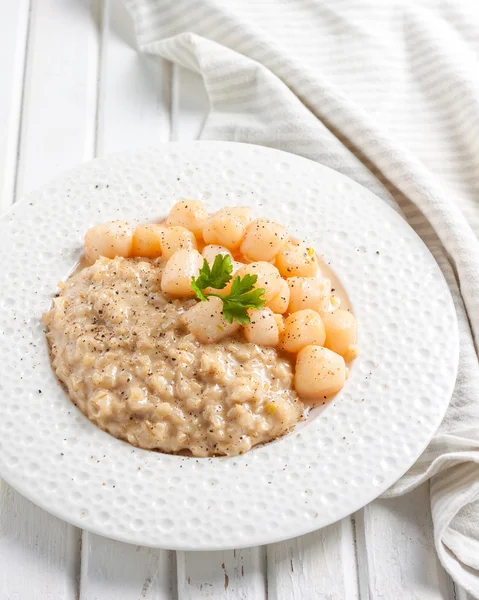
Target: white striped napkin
[[388, 94]]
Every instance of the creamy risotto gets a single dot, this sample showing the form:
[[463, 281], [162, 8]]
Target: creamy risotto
[[203, 334], [128, 362]]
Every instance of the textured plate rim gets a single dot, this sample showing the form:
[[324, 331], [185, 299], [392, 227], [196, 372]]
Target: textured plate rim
[[23, 487]]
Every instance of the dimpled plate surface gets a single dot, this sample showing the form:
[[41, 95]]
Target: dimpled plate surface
[[339, 460]]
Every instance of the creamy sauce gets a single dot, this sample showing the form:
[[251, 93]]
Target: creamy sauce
[[336, 286], [119, 346]]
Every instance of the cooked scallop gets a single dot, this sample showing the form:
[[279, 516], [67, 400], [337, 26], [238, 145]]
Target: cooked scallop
[[262, 328], [108, 239], [147, 240], [179, 270], [319, 373], [206, 322], [227, 227], [309, 292], [263, 240], [268, 277], [279, 322], [211, 251], [279, 304], [176, 238], [341, 332], [236, 267], [190, 214], [295, 259], [302, 328]]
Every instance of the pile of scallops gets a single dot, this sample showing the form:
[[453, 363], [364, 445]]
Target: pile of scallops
[[301, 316]]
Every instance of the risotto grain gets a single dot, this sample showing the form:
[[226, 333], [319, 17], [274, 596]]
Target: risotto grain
[[119, 346]]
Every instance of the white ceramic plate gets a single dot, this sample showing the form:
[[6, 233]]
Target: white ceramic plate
[[340, 459]]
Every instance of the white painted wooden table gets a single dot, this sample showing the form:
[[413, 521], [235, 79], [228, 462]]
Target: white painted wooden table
[[74, 87]]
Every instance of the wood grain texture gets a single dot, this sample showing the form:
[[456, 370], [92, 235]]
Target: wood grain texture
[[134, 89], [317, 566], [396, 550], [113, 570], [14, 24], [39, 554], [228, 575], [58, 118]]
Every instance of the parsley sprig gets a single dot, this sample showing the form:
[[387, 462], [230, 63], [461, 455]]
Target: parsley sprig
[[241, 296], [217, 277]]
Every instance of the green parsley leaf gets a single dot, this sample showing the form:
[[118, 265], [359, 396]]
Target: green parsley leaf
[[198, 291], [241, 297], [216, 277], [221, 271]]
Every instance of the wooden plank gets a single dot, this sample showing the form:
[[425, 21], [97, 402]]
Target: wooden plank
[[133, 111], [396, 551], [58, 119], [228, 575], [39, 554], [49, 125], [112, 570], [317, 566], [134, 102], [14, 20]]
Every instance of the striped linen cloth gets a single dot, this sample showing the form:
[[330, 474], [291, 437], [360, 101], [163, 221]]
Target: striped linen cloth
[[388, 94]]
